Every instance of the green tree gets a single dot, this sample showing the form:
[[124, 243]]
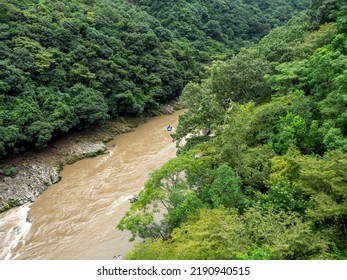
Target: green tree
[[226, 189], [215, 235], [204, 111], [167, 192], [219, 234], [89, 105], [241, 78], [41, 132], [233, 139], [293, 130]]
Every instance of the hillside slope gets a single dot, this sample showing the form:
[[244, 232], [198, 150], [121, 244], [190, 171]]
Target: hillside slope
[[263, 173], [71, 64]]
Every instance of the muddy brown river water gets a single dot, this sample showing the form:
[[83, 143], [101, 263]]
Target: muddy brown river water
[[76, 218]]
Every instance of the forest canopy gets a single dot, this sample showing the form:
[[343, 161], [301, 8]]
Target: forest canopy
[[72, 64], [263, 172]]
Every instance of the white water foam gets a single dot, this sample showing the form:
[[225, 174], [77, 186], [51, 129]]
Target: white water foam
[[14, 226]]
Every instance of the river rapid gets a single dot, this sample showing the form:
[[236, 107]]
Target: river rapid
[[76, 218]]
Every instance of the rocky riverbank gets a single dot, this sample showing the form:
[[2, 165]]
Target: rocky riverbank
[[36, 170]]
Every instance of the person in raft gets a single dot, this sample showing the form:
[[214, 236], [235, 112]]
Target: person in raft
[[169, 128]]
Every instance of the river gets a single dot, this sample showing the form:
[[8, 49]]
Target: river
[[76, 218]]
